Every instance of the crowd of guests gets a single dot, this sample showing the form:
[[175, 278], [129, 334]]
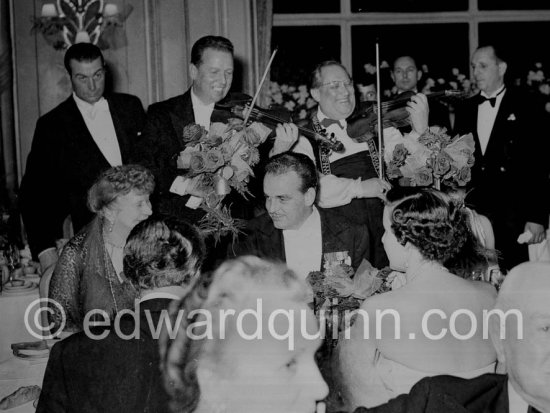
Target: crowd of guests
[[147, 302]]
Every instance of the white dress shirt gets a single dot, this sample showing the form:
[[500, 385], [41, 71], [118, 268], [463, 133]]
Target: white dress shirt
[[202, 115], [304, 246], [334, 191], [486, 115], [201, 111], [100, 124], [515, 402]]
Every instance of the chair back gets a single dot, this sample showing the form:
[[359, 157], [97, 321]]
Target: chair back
[[43, 292]]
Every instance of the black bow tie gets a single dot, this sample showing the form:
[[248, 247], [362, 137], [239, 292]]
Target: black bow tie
[[492, 101], [327, 122]]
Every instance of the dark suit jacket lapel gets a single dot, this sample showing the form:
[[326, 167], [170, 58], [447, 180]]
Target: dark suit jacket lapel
[[332, 236], [124, 142], [181, 115], [271, 240], [82, 136], [500, 123]]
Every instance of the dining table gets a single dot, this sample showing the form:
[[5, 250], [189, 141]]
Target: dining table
[[16, 372]]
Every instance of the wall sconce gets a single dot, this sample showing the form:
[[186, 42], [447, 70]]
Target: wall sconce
[[75, 21]]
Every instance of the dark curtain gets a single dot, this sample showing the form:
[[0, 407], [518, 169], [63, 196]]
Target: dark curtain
[[8, 168]]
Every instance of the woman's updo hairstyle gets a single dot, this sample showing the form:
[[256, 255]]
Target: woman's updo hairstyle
[[430, 220], [234, 285], [117, 181], [162, 251]]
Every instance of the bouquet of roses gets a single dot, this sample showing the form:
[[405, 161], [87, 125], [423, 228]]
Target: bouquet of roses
[[337, 288], [432, 158], [218, 161]]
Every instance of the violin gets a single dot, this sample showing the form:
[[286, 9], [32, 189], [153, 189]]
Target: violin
[[363, 123], [272, 117]]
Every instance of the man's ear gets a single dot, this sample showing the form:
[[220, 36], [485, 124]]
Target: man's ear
[[418, 75], [310, 196], [392, 76], [193, 71], [502, 66], [315, 94]]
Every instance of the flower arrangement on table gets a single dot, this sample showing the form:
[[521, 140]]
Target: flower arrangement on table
[[337, 289], [218, 161], [433, 158]]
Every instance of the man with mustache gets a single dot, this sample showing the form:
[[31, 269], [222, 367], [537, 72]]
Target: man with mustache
[[509, 176], [294, 230], [349, 182]]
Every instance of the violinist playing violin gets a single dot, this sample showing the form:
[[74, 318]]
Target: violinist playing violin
[[406, 75], [211, 71], [349, 180]]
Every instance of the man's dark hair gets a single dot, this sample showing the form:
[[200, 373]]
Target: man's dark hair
[[209, 42], [82, 52], [402, 56], [315, 79], [500, 53], [297, 162]]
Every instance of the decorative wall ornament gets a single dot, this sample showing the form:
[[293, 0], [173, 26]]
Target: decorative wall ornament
[[82, 21]]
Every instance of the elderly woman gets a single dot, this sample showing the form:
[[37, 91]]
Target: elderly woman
[[436, 318], [119, 372], [88, 275], [249, 348]]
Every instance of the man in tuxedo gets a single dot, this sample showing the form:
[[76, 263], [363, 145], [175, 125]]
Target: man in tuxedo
[[406, 75], [510, 176], [294, 230], [211, 71], [72, 144], [116, 367], [349, 180], [523, 347]]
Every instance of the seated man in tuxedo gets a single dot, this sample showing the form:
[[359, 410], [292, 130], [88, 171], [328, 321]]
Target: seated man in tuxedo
[[523, 347], [114, 367], [294, 230], [73, 143]]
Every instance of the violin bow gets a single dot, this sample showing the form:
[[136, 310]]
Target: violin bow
[[379, 115], [259, 87]]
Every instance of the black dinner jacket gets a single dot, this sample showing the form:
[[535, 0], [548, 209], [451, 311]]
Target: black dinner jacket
[[510, 180], [63, 163], [487, 393], [112, 374], [161, 143], [265, 241]]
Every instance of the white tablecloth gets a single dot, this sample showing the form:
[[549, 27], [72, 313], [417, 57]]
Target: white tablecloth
[[12, 323], [15, 373]]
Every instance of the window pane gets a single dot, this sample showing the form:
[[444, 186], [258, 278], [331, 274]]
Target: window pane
[[310, 6], [514, 37], [414, 6], [300, 49], [448, 49], [513, 5]]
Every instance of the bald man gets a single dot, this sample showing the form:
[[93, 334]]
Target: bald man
[[522, 344]]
